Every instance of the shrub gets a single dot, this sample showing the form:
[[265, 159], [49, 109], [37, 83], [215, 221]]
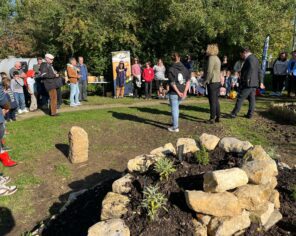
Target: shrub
[[164, 167], [202, 156], [294, 193], [153, 201]]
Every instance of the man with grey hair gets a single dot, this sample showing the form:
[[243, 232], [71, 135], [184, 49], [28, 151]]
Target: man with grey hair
[[83, 79], [49, 75], [17, 67]]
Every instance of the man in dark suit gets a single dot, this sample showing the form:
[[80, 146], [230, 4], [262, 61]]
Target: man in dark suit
[[250, 78]]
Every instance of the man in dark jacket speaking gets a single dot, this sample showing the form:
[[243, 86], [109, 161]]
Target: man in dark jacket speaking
[[250, 79]]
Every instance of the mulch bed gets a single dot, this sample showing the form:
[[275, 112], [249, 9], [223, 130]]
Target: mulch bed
[[85, 211]]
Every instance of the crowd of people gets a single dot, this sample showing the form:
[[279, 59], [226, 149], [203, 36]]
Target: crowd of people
[[40, 87], [242, 81], [21, 92], [24, 91]]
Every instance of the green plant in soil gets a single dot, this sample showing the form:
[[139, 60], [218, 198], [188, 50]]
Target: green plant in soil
[[153, 201], [202, 156], [294, 192], [164, 167]]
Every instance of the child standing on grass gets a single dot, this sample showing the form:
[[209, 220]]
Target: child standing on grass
[[148, 76], [11, 114], [193, 83], [17, 84], [32, 89]]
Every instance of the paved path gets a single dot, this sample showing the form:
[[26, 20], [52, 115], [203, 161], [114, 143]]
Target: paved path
[[66, 108]]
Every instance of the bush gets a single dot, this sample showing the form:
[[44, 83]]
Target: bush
[[153, 201], [164, 167], [202, 156]]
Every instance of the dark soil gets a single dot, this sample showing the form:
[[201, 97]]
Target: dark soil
[[81, 214], [178, 219], [85, 211]]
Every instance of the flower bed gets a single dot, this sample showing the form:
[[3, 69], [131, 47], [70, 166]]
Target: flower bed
[[231, 192]]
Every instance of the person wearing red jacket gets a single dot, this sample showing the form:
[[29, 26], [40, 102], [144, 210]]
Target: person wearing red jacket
[[148, 76]]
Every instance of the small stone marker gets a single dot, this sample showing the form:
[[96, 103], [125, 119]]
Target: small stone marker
[[78, 142]]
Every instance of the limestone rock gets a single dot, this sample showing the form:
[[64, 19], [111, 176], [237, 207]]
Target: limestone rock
[[222, 180], [251, 196], [275, 217], [189, 145], [158, 152], [204, 219], [163, 151], [199, 229], [283, 166], [123, 185], [114, 206], [260, 172], [275, 199], [272, 183], [141, 163], [209, 141], [262, 214], [113, 227], [227, 226], [229, 144], [78, 144], [257, 154], [170, 147], [216, 204]]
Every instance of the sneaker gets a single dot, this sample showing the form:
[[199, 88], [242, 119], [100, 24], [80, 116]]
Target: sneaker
[[25, 110], [4, 180], [19, 111], [6, 191], [210, 121], [6, 149], [248, 116], [174, 130], [73, 105], [78, 104], [232, 116]]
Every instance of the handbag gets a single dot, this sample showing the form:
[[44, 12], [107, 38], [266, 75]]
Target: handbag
[[60, 82]]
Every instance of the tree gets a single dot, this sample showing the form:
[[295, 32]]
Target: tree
[[150, 29]]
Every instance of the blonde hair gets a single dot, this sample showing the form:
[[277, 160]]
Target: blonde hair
[[212, 49]]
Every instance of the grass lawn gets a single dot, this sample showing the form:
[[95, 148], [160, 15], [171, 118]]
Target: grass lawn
[[45, 177]]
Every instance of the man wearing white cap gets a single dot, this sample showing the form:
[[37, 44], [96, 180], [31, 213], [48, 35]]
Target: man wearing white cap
[[49, 75]]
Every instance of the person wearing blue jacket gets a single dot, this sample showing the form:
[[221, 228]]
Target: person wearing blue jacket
[[292, 75], [83, 79]]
